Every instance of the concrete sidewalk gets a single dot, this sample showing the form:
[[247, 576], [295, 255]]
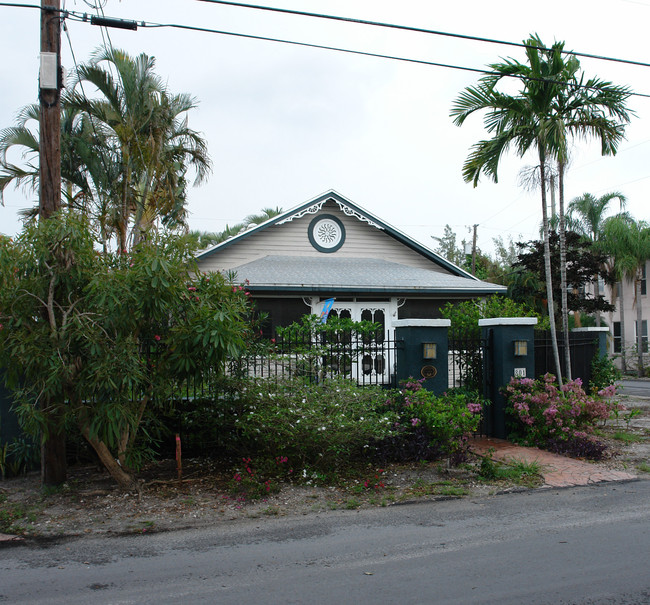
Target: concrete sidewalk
[[557, 471]]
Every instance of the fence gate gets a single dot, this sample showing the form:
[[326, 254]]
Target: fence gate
[[470, 367]]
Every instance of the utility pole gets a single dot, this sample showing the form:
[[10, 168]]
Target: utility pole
[[50, 109], [474, 251], [53, 454]]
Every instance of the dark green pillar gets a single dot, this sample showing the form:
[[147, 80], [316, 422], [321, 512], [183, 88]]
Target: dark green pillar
[[416, 359], [505, 337], [600, 333]]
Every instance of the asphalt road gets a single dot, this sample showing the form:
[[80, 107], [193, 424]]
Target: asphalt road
[[635, 388], [583, 546]]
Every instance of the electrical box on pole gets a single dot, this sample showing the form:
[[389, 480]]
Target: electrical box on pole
[[50, 109]]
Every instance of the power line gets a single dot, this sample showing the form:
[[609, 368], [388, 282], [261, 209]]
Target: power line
[[356, 21], [417, 29], [83, 17], [365, 53]]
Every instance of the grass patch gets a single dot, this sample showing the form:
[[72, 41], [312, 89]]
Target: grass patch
[[626, 437], [644, 467], [14, 516], [517, 472], [352, 503], [271, 511], [437, 488]]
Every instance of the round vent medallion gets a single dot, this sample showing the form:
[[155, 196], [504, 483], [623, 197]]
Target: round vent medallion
[[326, 233]]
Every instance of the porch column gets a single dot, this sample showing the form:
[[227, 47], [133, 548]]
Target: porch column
[[511, 353], [423, 351]]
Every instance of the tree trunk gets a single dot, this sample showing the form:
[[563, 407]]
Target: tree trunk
[[563, 282], [53, 455], [547, 270], [126, 481], [639, 326], [622, 315]]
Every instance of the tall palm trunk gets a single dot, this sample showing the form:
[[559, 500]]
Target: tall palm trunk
[[622, 305], [547, 267], [563, 282], [639, 325]]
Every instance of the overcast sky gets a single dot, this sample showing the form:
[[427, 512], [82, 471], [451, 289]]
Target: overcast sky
[[286, 123]]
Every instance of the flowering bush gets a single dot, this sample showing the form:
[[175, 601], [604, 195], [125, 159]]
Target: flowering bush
[[248, 484], [544, 413], [432, 426], [323, 427]]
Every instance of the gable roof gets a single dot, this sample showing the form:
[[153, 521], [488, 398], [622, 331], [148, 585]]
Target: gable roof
[[350, 209], [280, 268], [349, 275]]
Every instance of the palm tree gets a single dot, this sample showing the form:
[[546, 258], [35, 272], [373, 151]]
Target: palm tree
[[587, 214], [520, 121], [205, 239], [78, 153], [149, 139], [552, 106], [584, 110], [628, 242]]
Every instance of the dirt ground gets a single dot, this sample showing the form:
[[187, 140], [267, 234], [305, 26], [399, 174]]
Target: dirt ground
[[89, 503]]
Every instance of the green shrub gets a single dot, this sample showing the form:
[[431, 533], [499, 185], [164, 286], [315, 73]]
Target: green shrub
[[603, 373], [323, 426]]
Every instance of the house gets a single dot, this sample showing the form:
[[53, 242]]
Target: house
[[329, 247], [624, 297]]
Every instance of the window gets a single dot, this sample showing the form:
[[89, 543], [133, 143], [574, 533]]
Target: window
[[644, 335], [617, 337]]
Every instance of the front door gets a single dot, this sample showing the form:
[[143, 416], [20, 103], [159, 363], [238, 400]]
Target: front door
[[368, 359]]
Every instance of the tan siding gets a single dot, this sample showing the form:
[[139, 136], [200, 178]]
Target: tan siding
[[290, 239]]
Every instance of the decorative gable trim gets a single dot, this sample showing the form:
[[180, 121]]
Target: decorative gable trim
[[314, 208], [349, 208]]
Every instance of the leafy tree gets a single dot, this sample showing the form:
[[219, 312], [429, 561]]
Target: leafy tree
[[464, 316], [448, 248], [91, 341], [583, 262]]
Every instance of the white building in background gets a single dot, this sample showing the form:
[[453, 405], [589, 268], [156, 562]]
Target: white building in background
[[631, 325]]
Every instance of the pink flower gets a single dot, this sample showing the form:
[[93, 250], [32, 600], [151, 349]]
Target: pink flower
[[415, 421], [191, 289], [156, 337]]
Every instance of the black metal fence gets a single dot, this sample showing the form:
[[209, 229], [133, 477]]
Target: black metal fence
[[583, 347], [367, 359]]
